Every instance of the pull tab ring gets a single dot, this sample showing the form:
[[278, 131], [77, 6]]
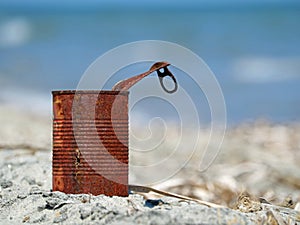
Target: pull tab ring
[[162, 75], [124, 85]]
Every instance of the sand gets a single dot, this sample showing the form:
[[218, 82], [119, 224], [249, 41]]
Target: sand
[[261, 158]]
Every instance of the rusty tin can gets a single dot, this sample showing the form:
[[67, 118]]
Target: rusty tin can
[[90, 138], [73, 169]]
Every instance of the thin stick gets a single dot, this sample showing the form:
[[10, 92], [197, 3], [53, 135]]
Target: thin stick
[[144, 189]]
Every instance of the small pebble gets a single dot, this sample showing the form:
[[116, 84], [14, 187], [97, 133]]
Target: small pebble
[[46, 193], [153, 202], [25, 219], [21, 196], [6, 184], [40, 208], [52, 202], [35, 191], [84, 213], [39, 183]]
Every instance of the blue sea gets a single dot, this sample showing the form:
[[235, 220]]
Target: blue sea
[[254, 52]]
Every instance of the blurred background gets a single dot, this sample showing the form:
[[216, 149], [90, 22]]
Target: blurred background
[[253, 47]]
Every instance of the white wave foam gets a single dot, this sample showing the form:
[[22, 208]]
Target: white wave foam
[[15, 32], [263, 69]]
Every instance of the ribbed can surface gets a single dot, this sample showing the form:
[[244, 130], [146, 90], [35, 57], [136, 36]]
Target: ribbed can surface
[[90, 142]]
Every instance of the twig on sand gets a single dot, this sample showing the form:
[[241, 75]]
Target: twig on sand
[[144, 189]]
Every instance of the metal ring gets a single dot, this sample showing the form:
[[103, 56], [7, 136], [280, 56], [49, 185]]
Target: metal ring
[[161, 76]]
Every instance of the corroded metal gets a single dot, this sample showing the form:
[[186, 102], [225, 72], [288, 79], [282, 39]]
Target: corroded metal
[[90, 137], [71, 172]]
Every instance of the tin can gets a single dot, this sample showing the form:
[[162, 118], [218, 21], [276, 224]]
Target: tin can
[[90, 138], [73, 172]]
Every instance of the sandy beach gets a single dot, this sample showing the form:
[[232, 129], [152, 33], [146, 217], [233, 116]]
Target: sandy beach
[[254, 180]]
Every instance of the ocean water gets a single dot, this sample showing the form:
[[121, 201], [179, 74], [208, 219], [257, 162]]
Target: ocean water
[[254, 53]]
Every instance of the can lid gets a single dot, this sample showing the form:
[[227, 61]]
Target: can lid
[[124, 85]]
